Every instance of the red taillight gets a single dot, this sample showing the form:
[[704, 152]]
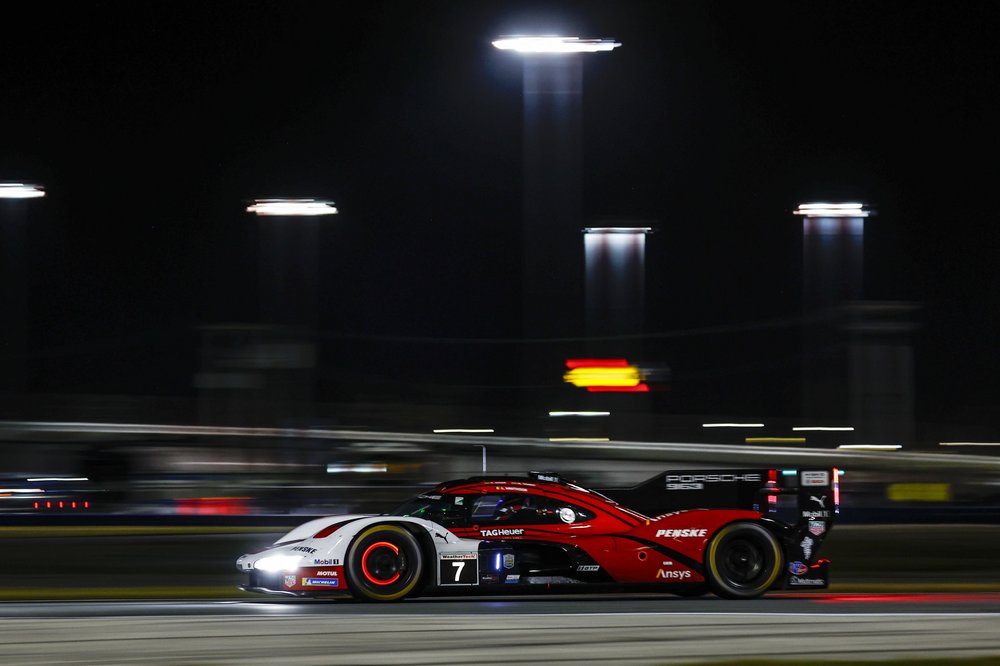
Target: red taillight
[[772, 485], [836, 490], [36, 505]]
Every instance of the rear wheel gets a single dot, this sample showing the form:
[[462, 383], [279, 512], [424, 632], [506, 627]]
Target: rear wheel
[[384, 563], [743, 561]]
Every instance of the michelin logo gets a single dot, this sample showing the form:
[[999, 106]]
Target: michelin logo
[[321, 582]]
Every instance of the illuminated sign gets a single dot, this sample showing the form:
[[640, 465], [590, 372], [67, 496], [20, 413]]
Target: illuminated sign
[[605, 375]]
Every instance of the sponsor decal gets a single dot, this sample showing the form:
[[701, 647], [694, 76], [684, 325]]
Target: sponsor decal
[[673, 575], [326, 573], [304, 549], [321, 582], [508, 561], [513, 578], [588, 567], [687, 532], [819, 500], [514, 531], [815, 514], [797, 568], [815, 478], [547, 477], [698, 481], [796, 580], [325, 563], [807, 547], [567, 515], [817, 527], [668, 563], [458, 556], [289, 581], [459, 500]]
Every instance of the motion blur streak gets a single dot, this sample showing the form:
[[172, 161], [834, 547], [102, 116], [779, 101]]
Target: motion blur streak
[[292, 207], [919, 598], [554, 44], [20, 191]]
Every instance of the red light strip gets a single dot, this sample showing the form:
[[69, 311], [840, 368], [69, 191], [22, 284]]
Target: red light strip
[[836, 490], [596, 363], [638, 388]]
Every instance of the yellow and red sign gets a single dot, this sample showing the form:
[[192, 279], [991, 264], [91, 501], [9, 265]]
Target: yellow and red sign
[[605, 375]]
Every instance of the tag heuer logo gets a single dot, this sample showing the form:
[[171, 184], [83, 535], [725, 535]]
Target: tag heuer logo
[[289, 581]]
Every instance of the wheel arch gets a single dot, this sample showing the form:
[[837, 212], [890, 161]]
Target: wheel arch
[[414, 530], [773, 529]]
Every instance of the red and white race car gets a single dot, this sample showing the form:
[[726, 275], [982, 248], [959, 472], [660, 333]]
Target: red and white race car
[[737, 533]]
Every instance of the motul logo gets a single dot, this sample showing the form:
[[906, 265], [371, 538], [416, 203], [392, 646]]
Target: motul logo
[[672, 534]]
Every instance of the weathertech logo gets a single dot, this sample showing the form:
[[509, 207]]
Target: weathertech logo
[[504, 532], [673, 534], [673, 575]]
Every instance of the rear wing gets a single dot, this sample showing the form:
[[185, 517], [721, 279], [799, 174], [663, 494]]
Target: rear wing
[[796, 497]]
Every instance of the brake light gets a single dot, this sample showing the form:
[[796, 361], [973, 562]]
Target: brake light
[[836, 490]]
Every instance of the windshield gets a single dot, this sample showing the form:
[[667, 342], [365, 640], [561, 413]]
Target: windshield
[[446, 510]]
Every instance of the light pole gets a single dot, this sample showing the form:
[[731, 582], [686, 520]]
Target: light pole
[[615, 267], [832, 275], [551, 288], [261, 373], [289, 259], [857, 356], [13, 284]]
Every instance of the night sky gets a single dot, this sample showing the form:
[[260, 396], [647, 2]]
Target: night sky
[[151, 124]]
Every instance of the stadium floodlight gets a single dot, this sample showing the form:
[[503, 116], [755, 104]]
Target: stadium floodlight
[[832, 210], [554, 44], [292, 207], [20, 191], [618, 230]]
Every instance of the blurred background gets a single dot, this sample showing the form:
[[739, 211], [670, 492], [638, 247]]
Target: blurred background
[[265, 261]]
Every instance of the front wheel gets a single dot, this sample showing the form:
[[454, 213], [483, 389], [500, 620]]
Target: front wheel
[[743, 561], [384, 563]]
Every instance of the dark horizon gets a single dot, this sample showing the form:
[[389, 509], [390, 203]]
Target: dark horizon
[[151, 127]]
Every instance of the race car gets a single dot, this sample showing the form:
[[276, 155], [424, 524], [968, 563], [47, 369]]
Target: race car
[[736, 533]]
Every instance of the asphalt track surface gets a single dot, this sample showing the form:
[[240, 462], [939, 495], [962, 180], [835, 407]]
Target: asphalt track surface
[[588, 629]]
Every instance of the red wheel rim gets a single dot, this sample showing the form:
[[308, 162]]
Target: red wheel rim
[[364, 563]]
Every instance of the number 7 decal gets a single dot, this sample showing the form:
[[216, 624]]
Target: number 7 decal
[[452, 569]]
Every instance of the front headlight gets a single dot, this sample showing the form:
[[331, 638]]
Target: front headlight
[[278, 563]]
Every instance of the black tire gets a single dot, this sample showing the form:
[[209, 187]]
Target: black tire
[[384, 563], [743, 561]]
